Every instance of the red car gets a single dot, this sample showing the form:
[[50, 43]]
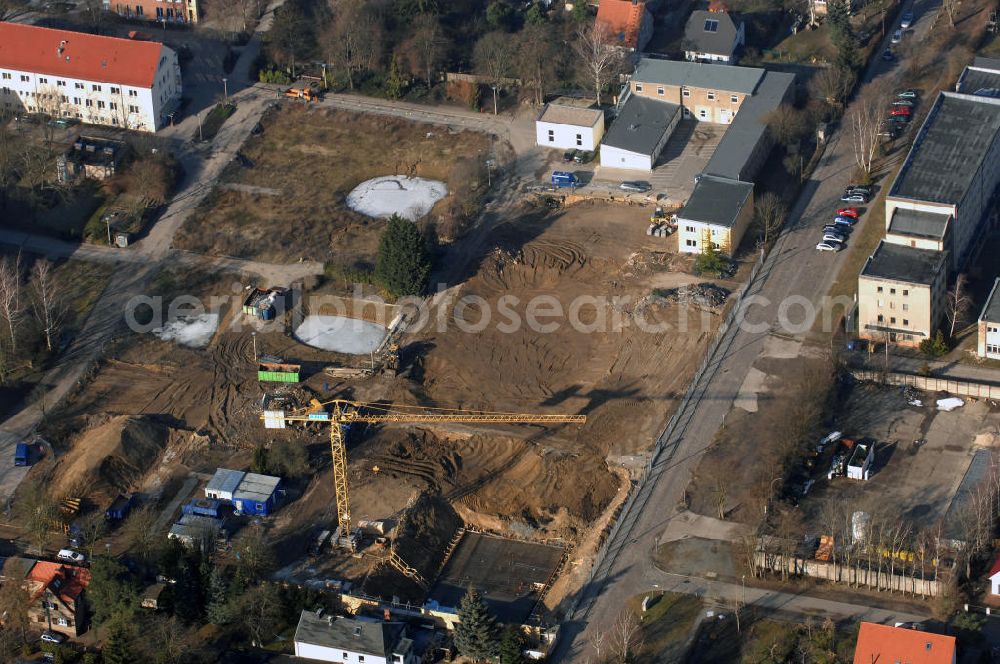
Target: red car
[[848, 212], [900, 110]]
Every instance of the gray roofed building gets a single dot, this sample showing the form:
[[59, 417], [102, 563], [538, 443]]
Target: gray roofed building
[[991, 310], [192, 529], [901, 263], [949, 151], [725, 78], [717, 201], [318, 636], [981, 77], [224, 483], [711, 34], [918, 223], [573, 115], [743, 147], [256, 487], [641, 124]]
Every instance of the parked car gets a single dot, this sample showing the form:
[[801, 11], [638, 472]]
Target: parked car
[[843, 229], [907, 94], [887, 55], [900, 121], [635, 185], [843, 222], [900, 110], [568, 156], [52, 637], [906, 20], [828, 246], [833, 237], [849, 197], [897, 37], [583, 156], [847, 212], [565, 179], [71, 556], [909, 103], [862, 188]]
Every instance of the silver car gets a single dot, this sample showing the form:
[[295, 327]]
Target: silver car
[[828, 246]]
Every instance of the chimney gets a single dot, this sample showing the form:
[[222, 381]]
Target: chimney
[[62, 47]]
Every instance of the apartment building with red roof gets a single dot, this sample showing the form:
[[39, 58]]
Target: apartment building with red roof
[[878, 644], [56, 592], [628, 23], [92, 78]]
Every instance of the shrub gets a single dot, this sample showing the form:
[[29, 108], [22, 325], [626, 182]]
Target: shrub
[[272, 75], [935, 347], [710, 261]]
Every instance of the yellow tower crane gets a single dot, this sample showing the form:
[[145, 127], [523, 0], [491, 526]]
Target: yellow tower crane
[[341, 413]]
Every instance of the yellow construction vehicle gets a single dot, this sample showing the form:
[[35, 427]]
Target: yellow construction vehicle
[[341, 413], [306, 94]]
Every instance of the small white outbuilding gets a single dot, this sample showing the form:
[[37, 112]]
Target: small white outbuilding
[[570, 124]]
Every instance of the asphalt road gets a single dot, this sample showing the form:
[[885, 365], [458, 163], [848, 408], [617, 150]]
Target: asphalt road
[[794, 270]]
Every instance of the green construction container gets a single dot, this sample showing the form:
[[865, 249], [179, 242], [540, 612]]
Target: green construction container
[[278, 376]]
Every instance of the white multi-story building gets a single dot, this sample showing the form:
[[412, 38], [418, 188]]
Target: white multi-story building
[[95, 79]]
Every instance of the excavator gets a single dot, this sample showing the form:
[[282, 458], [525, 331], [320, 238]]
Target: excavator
[[340, 413]]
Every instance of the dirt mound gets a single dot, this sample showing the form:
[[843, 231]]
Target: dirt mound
[[110, 456]]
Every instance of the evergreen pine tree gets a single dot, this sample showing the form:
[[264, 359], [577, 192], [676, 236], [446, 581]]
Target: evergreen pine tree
[[477, 635], [395, 82], [512, 646], [402, 266], [218, 598], [116, 647]]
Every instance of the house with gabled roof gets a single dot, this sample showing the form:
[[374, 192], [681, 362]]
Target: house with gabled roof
[[330, 638], [884, 643], [57, 597], [713, 36], [628, 23]]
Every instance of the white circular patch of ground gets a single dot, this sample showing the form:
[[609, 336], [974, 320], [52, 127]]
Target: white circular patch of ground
[[340, 334], [410, 198], [194, 331]]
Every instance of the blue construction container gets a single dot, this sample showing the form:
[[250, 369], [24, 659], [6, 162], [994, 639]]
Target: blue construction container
[[120, 508], [204, 507]]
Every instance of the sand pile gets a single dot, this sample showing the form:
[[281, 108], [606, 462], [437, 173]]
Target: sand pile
[[110, 456], [410, 198]]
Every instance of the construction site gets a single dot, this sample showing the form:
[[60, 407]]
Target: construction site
[[437, 457]]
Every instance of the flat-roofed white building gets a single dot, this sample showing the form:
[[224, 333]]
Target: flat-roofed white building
[[92, 78], [570, 124]]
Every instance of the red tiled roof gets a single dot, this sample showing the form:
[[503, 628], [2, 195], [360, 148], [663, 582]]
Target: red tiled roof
[[623, 18], [83, 56], [883, 644], [67, 581], [996, 566]]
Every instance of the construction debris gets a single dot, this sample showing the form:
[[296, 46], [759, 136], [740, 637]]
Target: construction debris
[[705, 295]]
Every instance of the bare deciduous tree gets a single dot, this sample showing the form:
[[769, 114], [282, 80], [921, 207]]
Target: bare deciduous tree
[[951, 8], [865, 123], [770, 212], [536, 59], [11, 302], [494, 57], [353, 41], [787, 124], [600, 60], [92, 528], [13, 9], [625, 636], [138, 532], [46, 300], [425, 49], [831, 84], [959, 305], [39, 513], [261, 611]]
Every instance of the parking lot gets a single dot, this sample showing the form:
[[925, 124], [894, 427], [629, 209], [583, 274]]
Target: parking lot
[[684, 156], [917, 482]]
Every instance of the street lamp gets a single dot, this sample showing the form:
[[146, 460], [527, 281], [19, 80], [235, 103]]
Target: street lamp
[[225, 90], [253, 335]]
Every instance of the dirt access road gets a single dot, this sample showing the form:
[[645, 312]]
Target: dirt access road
[[794, 268], [202, 169]]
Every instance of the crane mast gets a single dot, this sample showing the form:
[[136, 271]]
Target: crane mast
[[340, 413]]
